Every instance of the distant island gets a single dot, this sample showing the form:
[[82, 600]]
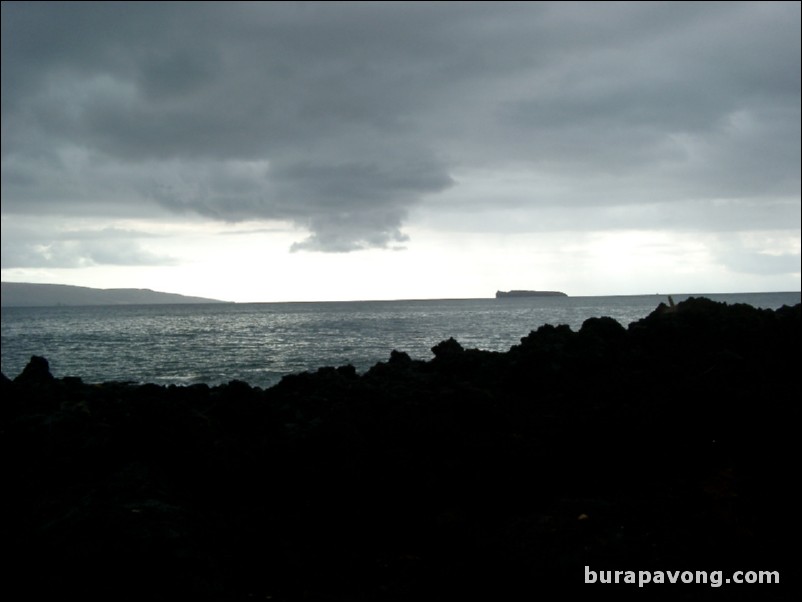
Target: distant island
[[508, 294], [24, 294]]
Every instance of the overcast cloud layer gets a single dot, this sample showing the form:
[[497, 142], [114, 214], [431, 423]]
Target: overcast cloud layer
[[343, 118]]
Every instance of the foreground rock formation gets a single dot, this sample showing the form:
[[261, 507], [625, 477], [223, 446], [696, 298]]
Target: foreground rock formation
[[670, 444]]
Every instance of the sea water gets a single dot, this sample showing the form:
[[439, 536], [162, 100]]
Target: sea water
[[261, 342]]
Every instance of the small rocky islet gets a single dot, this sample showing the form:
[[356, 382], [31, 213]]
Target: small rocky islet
[[668, 444]]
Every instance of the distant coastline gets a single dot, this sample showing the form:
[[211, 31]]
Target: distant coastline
[[25, 294], [508, 294]]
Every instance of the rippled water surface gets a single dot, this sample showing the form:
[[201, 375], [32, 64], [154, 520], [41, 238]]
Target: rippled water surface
[[261, 342]]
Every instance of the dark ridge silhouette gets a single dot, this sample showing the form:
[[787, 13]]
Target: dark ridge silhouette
[[23, 294], [670, 444], [513, 294]]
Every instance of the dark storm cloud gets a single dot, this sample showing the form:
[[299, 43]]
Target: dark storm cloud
[[342, 117]]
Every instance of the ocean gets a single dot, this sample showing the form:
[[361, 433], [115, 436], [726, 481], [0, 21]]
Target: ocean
[[259, 343]]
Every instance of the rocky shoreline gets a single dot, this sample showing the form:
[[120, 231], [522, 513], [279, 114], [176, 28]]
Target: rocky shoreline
[[668, 444]]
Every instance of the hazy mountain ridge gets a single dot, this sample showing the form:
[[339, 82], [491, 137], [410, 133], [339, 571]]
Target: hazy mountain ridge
[[24, 294]]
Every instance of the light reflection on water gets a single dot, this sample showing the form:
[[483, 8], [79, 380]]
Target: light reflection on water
[[259, 343]]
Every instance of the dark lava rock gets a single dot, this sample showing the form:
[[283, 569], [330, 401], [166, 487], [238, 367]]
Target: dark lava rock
[[36, 372], [670, 444]]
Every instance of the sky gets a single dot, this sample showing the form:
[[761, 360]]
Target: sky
[[402, 150]]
